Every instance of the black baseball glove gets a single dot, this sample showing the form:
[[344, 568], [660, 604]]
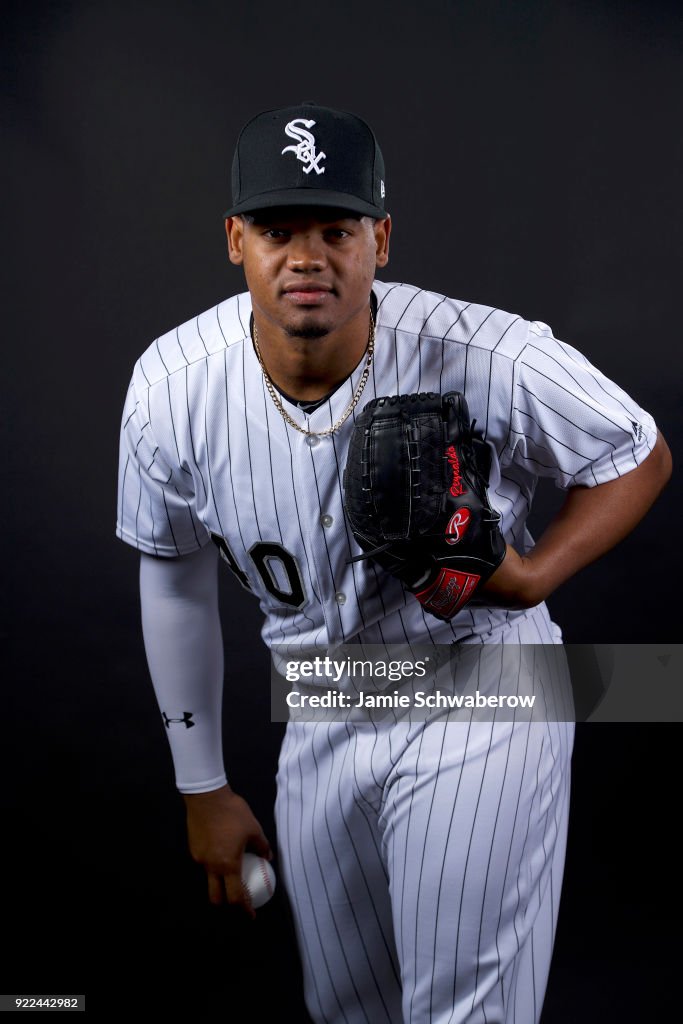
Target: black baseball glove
[[415, 494]]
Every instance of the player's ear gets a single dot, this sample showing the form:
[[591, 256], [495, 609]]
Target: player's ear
[[382, 231], [234, 230]]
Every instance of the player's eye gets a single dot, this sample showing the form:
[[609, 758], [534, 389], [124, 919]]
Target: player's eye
[[277, 234], [337, 233]]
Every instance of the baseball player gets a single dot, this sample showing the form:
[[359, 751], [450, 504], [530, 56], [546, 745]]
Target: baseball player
[[423, 859]]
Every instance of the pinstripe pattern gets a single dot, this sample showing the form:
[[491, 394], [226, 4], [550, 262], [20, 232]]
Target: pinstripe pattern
[[430, 853], [203, 452], [423, 859]]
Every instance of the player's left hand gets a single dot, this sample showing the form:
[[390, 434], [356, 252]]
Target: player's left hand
[[416, 497]]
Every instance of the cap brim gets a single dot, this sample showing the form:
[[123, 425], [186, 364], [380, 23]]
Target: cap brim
[[307, 197]]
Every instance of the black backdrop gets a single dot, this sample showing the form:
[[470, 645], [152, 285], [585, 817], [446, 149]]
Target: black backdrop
[[533, 163]]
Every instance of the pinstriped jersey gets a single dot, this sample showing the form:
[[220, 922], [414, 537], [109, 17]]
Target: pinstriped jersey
[[205, 455]]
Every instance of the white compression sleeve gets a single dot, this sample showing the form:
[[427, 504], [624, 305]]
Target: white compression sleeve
[[184, 647]]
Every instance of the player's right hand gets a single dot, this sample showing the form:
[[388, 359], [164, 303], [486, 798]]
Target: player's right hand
[[220, 827]]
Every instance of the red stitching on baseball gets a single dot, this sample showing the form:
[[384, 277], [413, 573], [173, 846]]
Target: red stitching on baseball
[[266, 877]]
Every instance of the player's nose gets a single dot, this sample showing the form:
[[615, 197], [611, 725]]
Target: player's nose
[[306, 251]]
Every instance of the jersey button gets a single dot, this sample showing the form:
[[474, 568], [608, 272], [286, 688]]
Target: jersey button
[[326, 520], [340, 598], [312, 440]]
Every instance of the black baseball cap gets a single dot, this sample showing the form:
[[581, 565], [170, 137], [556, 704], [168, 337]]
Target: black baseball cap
[[307, 156]]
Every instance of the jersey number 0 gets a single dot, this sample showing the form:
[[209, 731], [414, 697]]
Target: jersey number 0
[[276, 566]]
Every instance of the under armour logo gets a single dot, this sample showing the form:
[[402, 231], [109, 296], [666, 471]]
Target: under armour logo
[[305, 148], [187, 719]]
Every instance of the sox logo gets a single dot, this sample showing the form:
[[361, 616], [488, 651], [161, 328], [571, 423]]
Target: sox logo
[[305, 148]]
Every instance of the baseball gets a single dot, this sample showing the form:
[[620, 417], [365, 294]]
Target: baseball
[[258, 879]]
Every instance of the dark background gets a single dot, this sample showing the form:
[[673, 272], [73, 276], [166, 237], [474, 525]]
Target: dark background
[[533, 163]]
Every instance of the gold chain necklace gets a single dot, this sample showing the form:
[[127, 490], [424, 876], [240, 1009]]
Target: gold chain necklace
[[354, 401]]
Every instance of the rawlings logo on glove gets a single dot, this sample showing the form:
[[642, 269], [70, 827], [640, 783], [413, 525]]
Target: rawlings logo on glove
[[415, 494], [457, 525]]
